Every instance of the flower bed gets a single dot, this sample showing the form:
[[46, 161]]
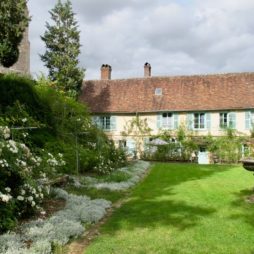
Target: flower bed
[[40, 235], [135, 173]]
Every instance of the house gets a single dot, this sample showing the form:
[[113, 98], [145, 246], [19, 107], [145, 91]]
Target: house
[[205, 104]]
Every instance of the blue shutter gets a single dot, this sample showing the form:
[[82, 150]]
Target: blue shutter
[[208, 121], [175, 121], [159, 120], [251, 119], [232, 120], [189, 121], [113, 123], [247, 120]]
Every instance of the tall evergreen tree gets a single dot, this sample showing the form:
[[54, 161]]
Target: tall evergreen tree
[[63, 48], [13, 22]]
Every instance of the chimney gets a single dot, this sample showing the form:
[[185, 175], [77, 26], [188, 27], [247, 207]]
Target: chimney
[[106, 72], [147, 70]]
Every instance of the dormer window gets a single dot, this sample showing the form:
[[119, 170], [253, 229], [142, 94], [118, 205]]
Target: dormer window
[[158, 91]]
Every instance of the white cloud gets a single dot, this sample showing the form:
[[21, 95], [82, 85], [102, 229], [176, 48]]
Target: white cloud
[[176, 37]]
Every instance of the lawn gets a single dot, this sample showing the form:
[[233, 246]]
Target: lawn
[[183, 208]]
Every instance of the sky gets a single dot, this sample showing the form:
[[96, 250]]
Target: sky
[[177, 37]]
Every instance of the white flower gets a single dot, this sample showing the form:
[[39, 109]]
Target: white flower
[[4, 163], [23, 163], [8, 189], [50, 155], [24, 120], [12, 146], [5, 132], [33, 204], [53, 162], [20, 198], [30, 198], [5, 197]]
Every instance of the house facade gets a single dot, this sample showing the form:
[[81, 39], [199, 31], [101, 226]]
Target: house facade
[[204, 104]]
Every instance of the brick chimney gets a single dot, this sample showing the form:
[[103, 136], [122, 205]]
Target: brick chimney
[[106, 71], [147, 70]]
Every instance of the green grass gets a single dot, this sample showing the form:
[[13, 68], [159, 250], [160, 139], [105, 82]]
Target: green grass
[[183, 208]]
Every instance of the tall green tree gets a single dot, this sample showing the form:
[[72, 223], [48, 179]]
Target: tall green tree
[[13, 22], [62, 40]]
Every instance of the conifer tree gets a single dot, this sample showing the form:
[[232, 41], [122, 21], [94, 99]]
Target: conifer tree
[[13, 22], [62, 49]]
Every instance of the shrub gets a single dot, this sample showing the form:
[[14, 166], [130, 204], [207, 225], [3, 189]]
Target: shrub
[[69, 116], [15, 88], [20, 193], [179, 147], [227, 148]]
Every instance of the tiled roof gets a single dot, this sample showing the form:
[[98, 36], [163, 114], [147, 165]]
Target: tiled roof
[[179, 93]]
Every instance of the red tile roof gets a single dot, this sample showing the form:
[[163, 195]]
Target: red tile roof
[[179, 93]]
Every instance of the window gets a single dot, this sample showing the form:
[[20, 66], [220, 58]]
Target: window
[[227, 120], [105, 122], [223, 120], [199, 120], [158, 91], [167, 120]]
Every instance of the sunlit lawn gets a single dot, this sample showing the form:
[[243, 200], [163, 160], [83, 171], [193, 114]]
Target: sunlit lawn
[[184, 208]]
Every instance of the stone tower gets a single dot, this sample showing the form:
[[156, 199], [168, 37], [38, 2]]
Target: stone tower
[[23, 63]]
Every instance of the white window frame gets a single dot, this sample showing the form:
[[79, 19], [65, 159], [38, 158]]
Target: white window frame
[[200, 125], [105, 123], [167, 119], [226, 120]]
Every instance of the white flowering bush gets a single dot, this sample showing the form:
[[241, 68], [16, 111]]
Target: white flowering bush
[[50, 164], [109, 159], [104, 165], [20, 194]]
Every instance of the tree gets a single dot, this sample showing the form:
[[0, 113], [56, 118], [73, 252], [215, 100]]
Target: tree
[[62, 49], [13, 22]]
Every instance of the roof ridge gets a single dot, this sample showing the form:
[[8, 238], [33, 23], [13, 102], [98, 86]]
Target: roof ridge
[[178, 76]]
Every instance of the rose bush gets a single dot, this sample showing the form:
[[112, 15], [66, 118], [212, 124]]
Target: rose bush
[[20, 192]]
